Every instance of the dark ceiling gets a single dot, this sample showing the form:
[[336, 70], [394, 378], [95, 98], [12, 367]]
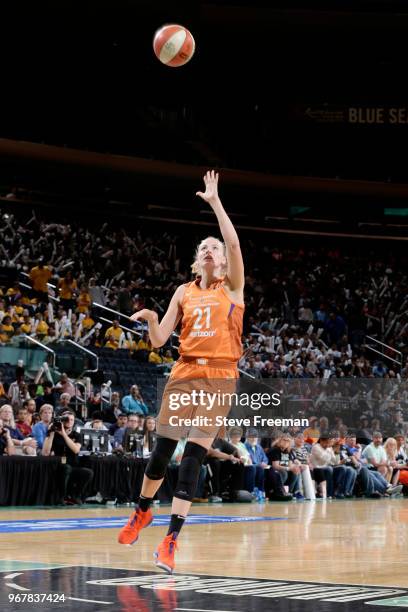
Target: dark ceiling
[[286, 90]]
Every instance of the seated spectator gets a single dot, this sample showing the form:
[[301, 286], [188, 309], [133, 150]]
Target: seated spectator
[[134, 403], [6, 443], [65, 442], [113, 335], [27, 445], [349, 462], [235, 435], [364, 433], [391, 450], [40, 429], [63, 404], [155, 357], [371, 483], [225, 469], [121, 421], [65, 385], [281, 460], [402, 457], [21, 421], [376, 456], [301, 457], [96, 422], [48, 396], [149, 436], [133, 424], [258, 458], [312, 433], [326, 469], [31, 407]]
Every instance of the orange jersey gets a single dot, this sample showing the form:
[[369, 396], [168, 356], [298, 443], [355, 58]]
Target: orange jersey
[[211, 325]]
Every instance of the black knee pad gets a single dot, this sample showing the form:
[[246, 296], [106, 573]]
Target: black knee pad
[[160, 457], [189, 471]]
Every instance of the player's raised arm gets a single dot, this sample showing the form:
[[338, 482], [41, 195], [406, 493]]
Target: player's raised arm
[[235, 265], [159, 333]]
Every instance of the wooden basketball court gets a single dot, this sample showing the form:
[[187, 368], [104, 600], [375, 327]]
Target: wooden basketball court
[[323, 555]]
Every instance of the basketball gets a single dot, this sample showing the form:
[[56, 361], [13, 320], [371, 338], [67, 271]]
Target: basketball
[[173, 45]]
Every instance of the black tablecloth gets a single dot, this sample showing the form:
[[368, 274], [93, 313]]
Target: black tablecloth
[[29, 481]]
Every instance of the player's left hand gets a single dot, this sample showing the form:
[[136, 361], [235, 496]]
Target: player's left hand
[[210, 195]]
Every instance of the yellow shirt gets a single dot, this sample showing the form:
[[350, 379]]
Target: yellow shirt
[[6, 331], [25, 328], [42, 328], [113, 334], [143, 346], [155, 358], [87, 323], [66, 289], [39, 278], [84, 301]]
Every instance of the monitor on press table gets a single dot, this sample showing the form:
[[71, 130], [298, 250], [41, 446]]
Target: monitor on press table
[[94, 441]]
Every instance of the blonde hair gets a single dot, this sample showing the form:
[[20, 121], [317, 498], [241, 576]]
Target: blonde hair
[[195, 268], [12, 421], [388, 444]]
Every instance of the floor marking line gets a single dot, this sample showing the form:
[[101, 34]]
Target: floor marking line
[[202, 610], [16, 586], [11, 576], [97, 601]]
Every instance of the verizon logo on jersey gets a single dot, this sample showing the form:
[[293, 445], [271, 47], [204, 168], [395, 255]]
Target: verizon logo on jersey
[[202, 334]]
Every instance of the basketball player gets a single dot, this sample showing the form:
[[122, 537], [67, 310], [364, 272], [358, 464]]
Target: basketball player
[[211, 311]]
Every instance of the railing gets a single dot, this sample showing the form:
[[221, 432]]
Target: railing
[[46, 348], [85, 350], [120, 314], [384, 355]]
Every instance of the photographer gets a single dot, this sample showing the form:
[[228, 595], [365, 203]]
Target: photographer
[[63, 442], [6, 443]]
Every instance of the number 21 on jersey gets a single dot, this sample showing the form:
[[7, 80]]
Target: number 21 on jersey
[[200, 313]]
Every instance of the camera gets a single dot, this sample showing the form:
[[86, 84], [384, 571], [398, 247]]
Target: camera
[[58, 421]]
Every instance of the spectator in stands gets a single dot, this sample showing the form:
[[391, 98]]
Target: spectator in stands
[[371, 482], [66, 443], [391, 450], [133, 424], [65, 385], [364, 434], [155, 357], [312, 433], [327, 471], [6, 443], [21, 421], [14, 390], [134, 402], [402, 457], [67, 290], [31, 407], [376, 456], [41, 327], [226, 470], [49, 396], [96, 422], [281, 459], [121, 421], [149, 436], [258, 458], [39, 277], [113, 335], [27, 445], [346, 459], [301, 457], [63, 403], [84, 300], [40, 429], [6, 330]]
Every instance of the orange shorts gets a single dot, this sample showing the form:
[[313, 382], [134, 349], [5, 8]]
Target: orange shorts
[[209, 389]]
